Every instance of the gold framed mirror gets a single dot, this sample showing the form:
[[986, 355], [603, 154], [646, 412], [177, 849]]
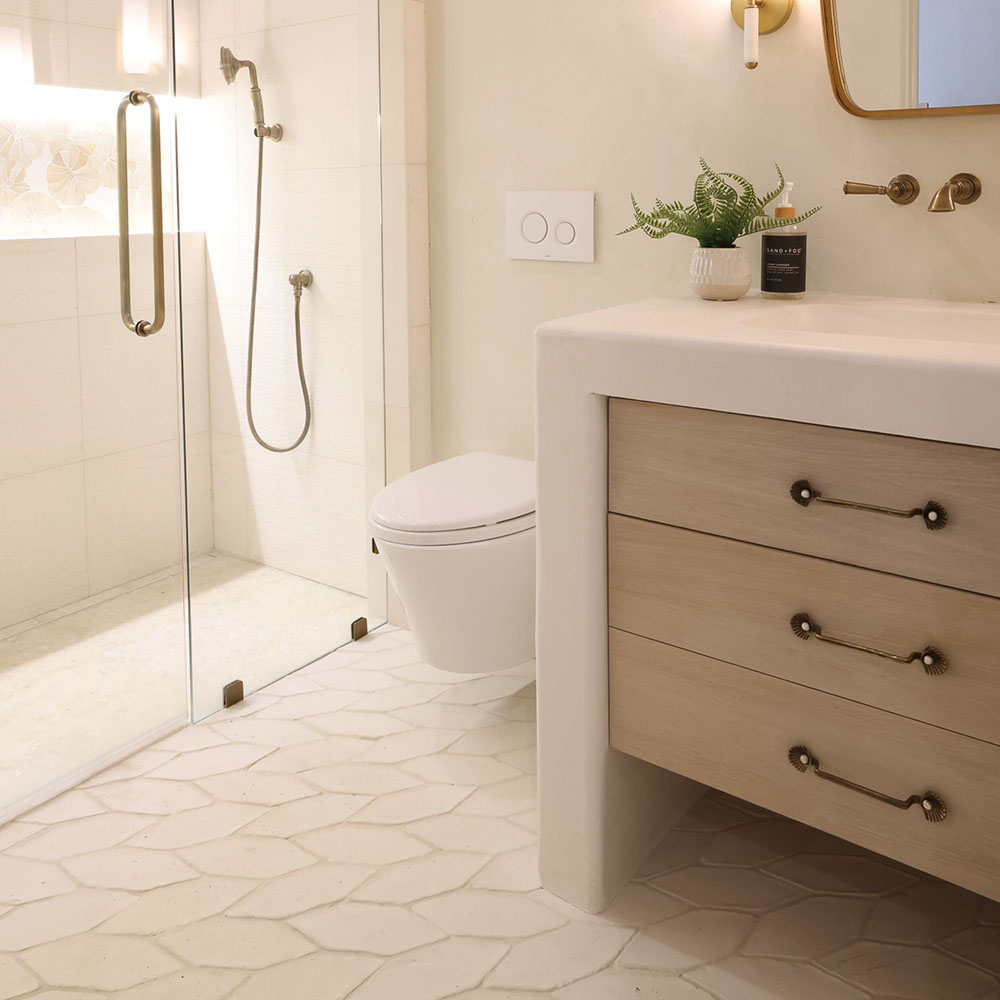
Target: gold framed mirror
[[913, 58]]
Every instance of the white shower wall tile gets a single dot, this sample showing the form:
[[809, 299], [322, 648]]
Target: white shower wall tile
[[99, 13], [40, 389], [37, 279], [307, 517], [305, 65], [201, 527], [134, 514], [43, 547], [129, 386], [229, 494], [48, 43], [262, 15]]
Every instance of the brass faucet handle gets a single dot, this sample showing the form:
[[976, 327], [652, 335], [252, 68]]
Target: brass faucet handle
[[903, 189]]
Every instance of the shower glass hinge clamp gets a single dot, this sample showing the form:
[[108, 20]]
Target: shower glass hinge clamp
[[359, 629], [232, 694]]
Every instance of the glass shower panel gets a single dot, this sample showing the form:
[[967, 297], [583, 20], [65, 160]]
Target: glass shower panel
[[281, 564], [92, 629]]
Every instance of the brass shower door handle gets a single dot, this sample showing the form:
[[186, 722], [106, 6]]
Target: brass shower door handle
[[931, 805], [931, 658], [143, 328], [935, 517]]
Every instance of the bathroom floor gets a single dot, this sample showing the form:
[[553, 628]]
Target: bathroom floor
[[89, 678], [366, 828]]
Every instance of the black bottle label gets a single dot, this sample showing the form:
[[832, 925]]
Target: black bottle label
[[782, 263]]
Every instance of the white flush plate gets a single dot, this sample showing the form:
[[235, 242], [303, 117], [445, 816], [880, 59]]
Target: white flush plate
[[550, 225]]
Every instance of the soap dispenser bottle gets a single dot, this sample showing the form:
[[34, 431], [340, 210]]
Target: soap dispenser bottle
[[783, 255]]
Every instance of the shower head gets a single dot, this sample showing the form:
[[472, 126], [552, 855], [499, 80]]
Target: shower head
[[230, 66]]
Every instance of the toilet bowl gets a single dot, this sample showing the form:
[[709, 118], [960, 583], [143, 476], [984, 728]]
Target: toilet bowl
[[458, 541]]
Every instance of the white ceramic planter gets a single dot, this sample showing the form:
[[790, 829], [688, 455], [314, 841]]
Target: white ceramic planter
[[720, 272]]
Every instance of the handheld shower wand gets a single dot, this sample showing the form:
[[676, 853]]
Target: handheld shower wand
[[230, 66]]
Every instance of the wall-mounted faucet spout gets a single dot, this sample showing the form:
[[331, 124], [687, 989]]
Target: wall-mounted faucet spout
[[230, 66], [962, 189]]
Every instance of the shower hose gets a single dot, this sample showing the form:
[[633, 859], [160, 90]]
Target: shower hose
[[253, 317]]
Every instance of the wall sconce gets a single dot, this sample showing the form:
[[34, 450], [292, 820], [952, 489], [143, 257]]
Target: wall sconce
[[756, 18], [17, 65], [136, 40]]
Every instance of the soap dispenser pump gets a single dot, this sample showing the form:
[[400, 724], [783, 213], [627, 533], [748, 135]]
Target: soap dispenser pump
[[783, 255]]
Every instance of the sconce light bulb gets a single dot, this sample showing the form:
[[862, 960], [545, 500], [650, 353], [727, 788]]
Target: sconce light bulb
[[751, 37]]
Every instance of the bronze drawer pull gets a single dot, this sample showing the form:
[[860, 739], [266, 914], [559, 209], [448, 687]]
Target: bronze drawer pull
[[931, 805], [934, 515], [931, 658]]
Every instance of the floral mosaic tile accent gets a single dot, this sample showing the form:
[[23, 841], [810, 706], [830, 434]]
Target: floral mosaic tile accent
[[59, 165]]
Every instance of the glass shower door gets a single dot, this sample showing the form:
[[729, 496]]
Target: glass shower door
[[93, 642]]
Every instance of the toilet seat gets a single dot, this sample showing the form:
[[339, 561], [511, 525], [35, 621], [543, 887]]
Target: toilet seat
[[471, 498]]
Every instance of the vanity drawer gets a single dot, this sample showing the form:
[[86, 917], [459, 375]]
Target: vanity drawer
[[734, 601], [732, 475], [733, 728]]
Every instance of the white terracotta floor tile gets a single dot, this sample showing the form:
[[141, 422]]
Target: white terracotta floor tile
[[489, 913], [514, 871], [560, 957], [70, 805], [458, 770], [237, 943], [77, 836], [685, 942], [497, 739], [505, 798], [247, 857], [14, 833], [266, 732], [634, 984], [367, 779], [363, 845], [315, 977], [256, 787], [406, 746], [24, 881], [428, 876], [734, 888], [190, 984], [373, 836], [367, 927], [914, 973], [324, 810], [196, 826], [173, 906], [769, 979], [306, 756], [434, 972], [478, 834], [15, 979], [95, 961], [214, 760], [840, 873], [61, 916], [128, 868], [156, 796], [923, 914], [306, 889], [414, 803], [367, 725], [810, 928]]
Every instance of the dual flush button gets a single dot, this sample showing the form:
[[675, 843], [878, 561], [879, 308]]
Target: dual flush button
[[550, 225], [535, 228]]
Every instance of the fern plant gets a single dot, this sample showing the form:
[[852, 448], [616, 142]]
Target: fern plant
[[720, 213]]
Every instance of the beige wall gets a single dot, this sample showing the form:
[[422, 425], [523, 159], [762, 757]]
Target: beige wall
[[538, 94]]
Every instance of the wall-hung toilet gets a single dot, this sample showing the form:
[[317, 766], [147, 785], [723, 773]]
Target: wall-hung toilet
[[458, 540]]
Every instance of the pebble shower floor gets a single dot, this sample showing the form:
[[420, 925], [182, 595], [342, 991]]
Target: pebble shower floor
[[365, 828]]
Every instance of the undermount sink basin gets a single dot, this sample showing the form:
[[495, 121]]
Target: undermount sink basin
[[904, 320]]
